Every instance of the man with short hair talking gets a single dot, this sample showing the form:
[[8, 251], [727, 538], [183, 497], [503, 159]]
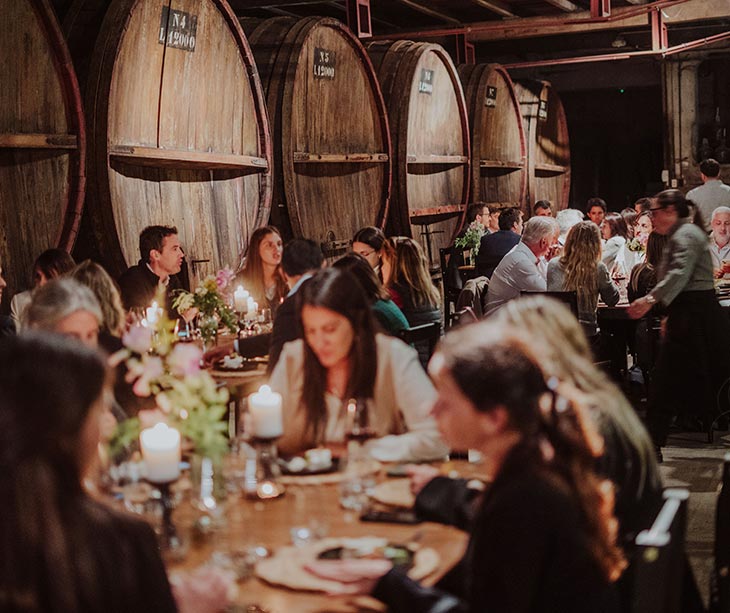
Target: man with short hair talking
[[160, 261], [520, 270]]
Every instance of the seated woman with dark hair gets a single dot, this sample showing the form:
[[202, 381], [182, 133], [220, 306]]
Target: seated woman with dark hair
[[544, 537], [370, 243], [627, 459], [644, 275], [341, 357], [389, 316], [60, 549], [261, 273], [615, 234]]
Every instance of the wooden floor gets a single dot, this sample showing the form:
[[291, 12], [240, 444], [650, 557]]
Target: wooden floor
[[691, 462]]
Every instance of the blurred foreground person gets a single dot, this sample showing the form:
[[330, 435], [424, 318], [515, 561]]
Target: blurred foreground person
[[61, 550], [544, 536]]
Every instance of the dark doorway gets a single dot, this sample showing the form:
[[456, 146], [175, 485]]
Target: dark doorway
[[615, 144]]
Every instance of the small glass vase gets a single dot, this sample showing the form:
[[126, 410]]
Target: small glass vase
[[208, 484], [208, 328]]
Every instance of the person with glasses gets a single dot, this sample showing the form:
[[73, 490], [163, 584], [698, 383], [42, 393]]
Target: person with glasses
[[370, 243], [693, 361]]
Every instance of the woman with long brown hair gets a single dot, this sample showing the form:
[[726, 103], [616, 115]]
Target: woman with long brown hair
[[261, 274], [580, 269], [615, 234], [406, 276], [544, 537], [341, 357], [61, 550]]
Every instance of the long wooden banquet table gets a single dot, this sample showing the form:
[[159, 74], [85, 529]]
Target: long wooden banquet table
[[250, 523]]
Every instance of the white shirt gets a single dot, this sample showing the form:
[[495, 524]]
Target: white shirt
[[719, 254], [518, 271], [611, 249], [708, 197]]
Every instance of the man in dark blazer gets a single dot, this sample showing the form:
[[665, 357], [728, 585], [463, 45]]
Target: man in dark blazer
[[299, 261], [496, 245], [160, 261]]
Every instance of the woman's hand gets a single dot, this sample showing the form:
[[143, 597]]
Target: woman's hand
[[217, 353], [206, 590], [420, 475], [356, 576], [639, 307]]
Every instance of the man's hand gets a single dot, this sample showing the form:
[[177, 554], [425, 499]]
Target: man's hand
[[217, 353], [638, 308]]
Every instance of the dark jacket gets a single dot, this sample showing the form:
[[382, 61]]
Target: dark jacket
[[493, 248], [527, 554], [117, 564], [416, 315], [138, 286], [286, 328]]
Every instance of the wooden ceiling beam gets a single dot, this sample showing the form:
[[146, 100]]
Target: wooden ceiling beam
[[500, 8], [416, 6], [565, 5], [622, 18]]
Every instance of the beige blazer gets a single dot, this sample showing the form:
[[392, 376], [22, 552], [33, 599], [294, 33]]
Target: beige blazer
[[400, 407]]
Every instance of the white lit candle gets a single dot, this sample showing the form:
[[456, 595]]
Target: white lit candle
[[264, 407], [161, 452], [153, 314], [249, 306], [239, 299]]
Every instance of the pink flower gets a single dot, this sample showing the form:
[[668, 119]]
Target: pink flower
[[223, 277], [149, 369], [184, 359], [138, 339]]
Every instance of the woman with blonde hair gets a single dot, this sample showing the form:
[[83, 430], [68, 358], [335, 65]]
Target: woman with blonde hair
[[580, 269], [261, 273], [93, 276]]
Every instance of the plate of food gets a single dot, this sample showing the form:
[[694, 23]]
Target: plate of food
[[317, 461], [287, 568], [237, 363]]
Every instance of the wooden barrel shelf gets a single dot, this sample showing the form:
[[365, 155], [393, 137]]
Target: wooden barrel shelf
[[178, 132], [331, 143], [498, 144], [548, 154], [42, 140], [430, 133]]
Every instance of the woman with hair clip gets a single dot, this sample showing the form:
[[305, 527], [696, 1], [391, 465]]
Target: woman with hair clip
[[60, 549], [693, 361], [580, 269], [543, 538], [387, 313], [628, 456], [261, 274], [341, 357]]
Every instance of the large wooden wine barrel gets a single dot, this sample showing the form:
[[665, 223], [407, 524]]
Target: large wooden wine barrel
[[330, 132], [548, 144], [498, 145], [42, 140], [430, 133], [178, 132]]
